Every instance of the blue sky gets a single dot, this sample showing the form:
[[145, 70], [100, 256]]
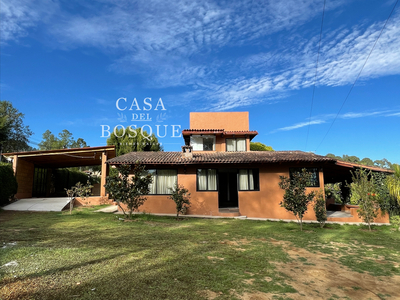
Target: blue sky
[[64, 64]]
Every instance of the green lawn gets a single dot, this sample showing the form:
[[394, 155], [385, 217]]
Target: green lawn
[[90, 255]]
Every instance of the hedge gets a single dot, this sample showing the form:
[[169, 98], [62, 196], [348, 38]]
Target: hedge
[[8, 183], [64, 178]]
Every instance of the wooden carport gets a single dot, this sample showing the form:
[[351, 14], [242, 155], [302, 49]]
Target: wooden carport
[[24, 164]]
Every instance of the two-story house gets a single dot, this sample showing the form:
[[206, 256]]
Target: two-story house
[[223, 176]]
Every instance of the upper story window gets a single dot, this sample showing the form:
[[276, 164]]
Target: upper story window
[[236, 144], [314, 181], [202, 142]]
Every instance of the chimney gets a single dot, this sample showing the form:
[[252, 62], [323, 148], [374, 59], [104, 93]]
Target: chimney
[[187, 151]]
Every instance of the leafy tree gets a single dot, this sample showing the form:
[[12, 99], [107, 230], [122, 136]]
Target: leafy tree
[[367, 162], [320, 209], [351, 159], [181, 197], [364, 194], [257, 146], [128, 140], [130, 190], [64, 140], [79, 190], [14, 134], [383, 163], [295, 199], [330, 155], [393, 183]]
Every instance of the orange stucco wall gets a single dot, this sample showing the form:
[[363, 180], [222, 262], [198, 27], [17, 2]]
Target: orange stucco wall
[[24, 174], [230, 121], [253, 204], [203, 203], [266, 202]]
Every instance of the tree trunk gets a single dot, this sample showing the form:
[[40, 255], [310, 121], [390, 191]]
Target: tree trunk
[[301, 224], [119, 205], [71, 205], [177, 215]]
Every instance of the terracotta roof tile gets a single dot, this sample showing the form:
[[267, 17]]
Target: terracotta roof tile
[[219, 131], [159, 158]]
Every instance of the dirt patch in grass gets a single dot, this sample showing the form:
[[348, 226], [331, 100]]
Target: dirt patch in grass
[[249, 281], [208, 294], [215, 258], [255, 296], [323, 278], [316, 275]]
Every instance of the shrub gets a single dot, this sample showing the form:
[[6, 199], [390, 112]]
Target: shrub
[[130, 190], [364, 194], [181, 197], [295, 199], [9, 185], [320, 209], [395, 221]]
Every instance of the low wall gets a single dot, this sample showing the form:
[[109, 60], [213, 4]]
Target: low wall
[[356, 219], [93, 200]]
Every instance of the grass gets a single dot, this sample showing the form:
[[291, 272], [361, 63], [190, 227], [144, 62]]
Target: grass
[[90, 255]]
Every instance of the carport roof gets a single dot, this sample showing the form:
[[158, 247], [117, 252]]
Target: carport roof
[[62, 158]]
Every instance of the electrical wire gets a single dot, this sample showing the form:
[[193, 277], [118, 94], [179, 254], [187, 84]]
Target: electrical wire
[[357, 76]]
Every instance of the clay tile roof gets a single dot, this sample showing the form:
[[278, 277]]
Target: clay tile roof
[[249, 132], [176, 158], [219, 131], [201, 131]]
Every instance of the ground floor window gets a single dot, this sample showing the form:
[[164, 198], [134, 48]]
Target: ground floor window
[[249, 180], [314, 175], [163, 181], [206, 179]]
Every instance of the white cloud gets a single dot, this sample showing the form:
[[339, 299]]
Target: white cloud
[[340, 63], [327, 118], [300, 125], [181, 43], [171, 41], [17, 16]]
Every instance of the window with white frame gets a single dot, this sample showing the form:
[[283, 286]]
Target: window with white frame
[[236, 145], [202, 142], [163, 181], [249, 180], [206, 180]]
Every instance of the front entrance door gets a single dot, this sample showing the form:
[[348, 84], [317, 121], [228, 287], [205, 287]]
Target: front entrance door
[[227, 188]]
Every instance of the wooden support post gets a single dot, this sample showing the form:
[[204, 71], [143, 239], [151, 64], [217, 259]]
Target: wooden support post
[[104, 173], [15, 164]]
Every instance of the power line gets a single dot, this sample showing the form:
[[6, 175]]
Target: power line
[[316, 72], [358, 75]]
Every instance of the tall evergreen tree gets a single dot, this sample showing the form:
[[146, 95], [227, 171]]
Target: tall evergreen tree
[[14, 135]]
